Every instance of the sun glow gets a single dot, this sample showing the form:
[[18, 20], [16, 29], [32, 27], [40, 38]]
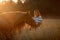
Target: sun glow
[[1, 1], [7, 0], [15, 1], [23, 1]]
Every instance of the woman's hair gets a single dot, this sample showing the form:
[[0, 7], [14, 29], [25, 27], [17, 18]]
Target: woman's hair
[[36, 12]]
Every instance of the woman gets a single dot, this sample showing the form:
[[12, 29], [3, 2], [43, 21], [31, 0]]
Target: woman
[[37, 17]]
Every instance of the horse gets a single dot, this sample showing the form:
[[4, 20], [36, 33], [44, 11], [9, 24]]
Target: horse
[[11, 22]]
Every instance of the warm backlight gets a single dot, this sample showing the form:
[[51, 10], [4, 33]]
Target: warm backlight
[[1, 1], [15, 1], [23, 1], [8, 0]]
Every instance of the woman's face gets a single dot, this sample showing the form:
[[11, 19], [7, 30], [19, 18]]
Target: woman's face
[[36, 13]]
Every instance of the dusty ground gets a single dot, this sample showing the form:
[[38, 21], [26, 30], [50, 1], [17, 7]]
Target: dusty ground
[[49, 30]]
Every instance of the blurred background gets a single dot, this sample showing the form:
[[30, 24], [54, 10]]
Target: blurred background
[[50, 12], [46, 7]]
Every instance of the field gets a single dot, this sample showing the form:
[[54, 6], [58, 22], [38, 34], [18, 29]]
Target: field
[[49, 30]]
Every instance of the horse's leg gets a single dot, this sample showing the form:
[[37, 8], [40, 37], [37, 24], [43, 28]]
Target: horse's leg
[[19, 27]]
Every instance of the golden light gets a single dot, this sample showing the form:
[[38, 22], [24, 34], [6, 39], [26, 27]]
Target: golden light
[[6, 0], [15, 1], [1, 1], [23, 1]]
